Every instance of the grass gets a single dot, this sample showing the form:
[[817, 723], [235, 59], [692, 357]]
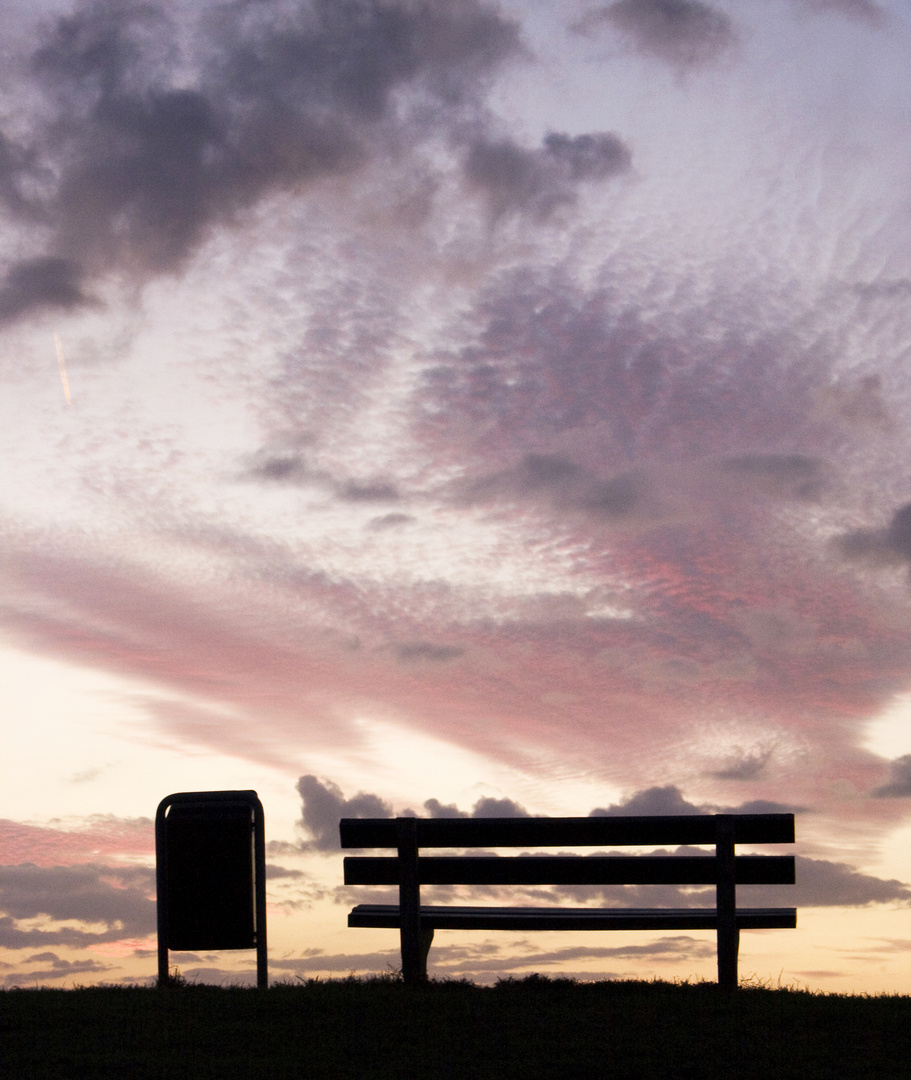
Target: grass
[[373, 1029]]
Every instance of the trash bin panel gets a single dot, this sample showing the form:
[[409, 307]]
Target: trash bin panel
[[210, 876]]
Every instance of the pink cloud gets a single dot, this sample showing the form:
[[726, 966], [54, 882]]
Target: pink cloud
[[104, 839]]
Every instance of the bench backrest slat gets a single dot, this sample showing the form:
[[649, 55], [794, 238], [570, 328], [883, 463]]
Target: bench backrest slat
[[568, 832], [573, 870]]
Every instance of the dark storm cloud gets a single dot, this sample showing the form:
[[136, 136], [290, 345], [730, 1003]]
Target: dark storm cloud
[[899, 784], [155, 137], [884, 547], [118, 897], [683, 32], [538, 181]]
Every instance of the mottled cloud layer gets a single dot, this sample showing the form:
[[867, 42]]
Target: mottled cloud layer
[[159, 126], [103, 838]]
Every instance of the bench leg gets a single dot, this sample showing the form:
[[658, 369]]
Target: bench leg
[[414, 954], [728, 948], [415, 948], [726, 902], [426, 942]]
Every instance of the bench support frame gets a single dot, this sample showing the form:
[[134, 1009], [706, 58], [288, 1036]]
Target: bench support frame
[[416, 923]]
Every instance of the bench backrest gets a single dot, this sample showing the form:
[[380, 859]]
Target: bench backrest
[[408, 835]]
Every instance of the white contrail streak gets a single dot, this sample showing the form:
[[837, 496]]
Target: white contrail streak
[[62, 366]]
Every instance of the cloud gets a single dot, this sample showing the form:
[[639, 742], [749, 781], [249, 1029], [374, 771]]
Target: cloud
[[655, 800], [155, 134], [821, 883], [290, 468], [795, 476], [119, 899], [883, 547], [286, 468], [275, 872], [466, 961], [491, 807], [594, 156], [99, 838], [670, 800], [315, 960], [411, 651], [389, 521], [486, 807], [555, 481], [745, 764], [324, 806], [578, 385], [58, 968], [686, 33], [480, 960], [899, 784], [436, 809], [859, 10], [539, 181], [42, 283], [862, 403], [16, 166], [378, 491]]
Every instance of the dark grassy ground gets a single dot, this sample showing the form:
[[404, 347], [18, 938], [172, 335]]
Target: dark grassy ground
[[533, 1029]]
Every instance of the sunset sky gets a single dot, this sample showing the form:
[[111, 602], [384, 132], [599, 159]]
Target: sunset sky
[[411, 405]]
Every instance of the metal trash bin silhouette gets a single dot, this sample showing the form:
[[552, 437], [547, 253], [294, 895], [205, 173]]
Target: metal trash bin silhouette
[[210, 855]]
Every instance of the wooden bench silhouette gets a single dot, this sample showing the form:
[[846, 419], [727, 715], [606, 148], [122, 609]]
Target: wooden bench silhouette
[[409, 869]]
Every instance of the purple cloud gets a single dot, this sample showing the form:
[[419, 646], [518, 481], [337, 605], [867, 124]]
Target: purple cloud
[[686, 33]]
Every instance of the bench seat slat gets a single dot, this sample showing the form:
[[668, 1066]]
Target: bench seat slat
[[567, 832], [518, 918], [572, 870]]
